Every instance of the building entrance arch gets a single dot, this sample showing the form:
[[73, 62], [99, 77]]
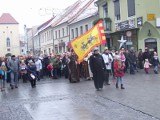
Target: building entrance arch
[[151, 43]]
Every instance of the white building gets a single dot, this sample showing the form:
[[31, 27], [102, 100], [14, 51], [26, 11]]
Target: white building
[[84, 21], [55, 34], [45, 36], [30, 39], [63, 32], [9, 35]]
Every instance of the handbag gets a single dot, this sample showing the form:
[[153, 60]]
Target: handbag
[[32, 76]]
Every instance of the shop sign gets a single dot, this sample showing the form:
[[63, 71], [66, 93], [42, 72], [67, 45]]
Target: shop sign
[[139, 21], [129, 43], [151, 17], [128, 24], [128, 33], [158, 22], [131, 23]]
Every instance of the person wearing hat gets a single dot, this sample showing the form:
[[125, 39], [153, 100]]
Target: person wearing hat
[[140, 59], [73, 68], [132, 60], [98, 68], [108, 63], [146, 54], [13, 65]]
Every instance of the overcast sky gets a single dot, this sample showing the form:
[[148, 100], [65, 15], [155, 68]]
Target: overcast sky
[[32, 12]]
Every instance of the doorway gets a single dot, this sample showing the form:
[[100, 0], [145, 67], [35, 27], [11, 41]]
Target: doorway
[[151, 43]]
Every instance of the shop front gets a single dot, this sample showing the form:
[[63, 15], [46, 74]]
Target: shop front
[[128, 30], [149, 37]]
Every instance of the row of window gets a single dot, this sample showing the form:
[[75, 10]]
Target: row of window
[[59, 34], [75, 32], [131, 9], [62, 33], [5, 32], [46, 36]]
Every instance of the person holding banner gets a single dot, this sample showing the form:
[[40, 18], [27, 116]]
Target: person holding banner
[[98, 68]]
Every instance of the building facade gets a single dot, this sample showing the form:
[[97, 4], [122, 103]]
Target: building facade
[[30, 39], [137, 21], [79, 16], [54, 35], [83, 22], [9, 35]]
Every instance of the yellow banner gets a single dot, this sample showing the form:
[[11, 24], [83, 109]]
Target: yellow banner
[[86, 42]]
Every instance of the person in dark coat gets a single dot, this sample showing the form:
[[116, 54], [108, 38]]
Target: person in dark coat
[[65, 61], [155, 61], [132, 60], [73, 68], [98, 68], [85, 69], [46, 62], [140, 59], [32, 73], [146, 55], [126, 53]]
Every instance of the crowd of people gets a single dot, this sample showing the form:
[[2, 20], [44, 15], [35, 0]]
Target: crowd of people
[[96, 66]]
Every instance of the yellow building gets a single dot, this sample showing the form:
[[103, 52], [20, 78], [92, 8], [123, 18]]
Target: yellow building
[[138, 21], [9, 35]]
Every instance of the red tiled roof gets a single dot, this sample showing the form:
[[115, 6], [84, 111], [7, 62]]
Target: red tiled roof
[[6, 18]]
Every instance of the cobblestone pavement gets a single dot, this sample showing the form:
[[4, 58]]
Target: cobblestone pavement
[[60, 100]]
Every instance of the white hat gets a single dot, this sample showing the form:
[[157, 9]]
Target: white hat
[[30, 61], [95, 49], [3, 64], [106, 48], [146, 60], [117, 57]]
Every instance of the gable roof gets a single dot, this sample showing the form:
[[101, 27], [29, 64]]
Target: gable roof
[[85, 4], [7, 18], [66, 12], [73, 11], [45, 23], [91, 10]]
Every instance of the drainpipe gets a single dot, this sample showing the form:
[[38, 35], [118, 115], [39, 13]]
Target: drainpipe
[[39, 44], [53, 40], [33, 41], [69, 37]]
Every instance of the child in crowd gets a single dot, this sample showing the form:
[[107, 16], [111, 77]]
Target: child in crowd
[[50, 69], [147, 66], [32, 73], [119, 71], [3, 75], [23, 71]]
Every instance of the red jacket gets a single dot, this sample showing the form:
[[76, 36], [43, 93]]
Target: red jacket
[[50, 67], [119, 72]]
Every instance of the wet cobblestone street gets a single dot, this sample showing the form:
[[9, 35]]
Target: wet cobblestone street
[[60, 100]]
